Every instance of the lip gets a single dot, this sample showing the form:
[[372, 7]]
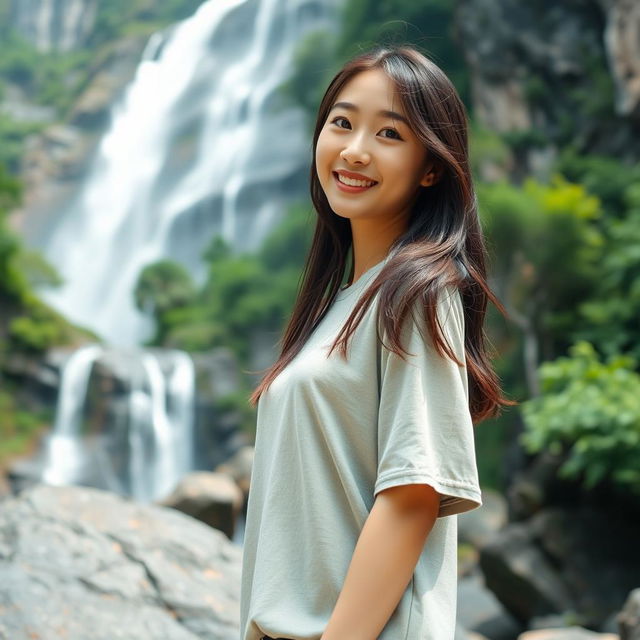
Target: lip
[[348, 188], [351, 174]]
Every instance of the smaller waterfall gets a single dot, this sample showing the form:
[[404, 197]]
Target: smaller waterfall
[[131, 433], [65, 456]]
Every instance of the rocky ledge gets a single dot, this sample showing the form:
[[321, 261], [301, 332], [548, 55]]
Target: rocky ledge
[[80, 563]]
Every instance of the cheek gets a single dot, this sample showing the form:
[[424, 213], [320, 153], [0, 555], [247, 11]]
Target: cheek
[[321, 150], [323, 159]]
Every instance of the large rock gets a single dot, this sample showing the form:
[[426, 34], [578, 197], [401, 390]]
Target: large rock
[[540, 72], [480, 612], [563, 560], [623, 52], [239, 467], [84, 564], [212, 498], [629, 618]]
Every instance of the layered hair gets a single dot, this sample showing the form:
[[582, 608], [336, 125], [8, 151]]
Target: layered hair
[[443, 244]]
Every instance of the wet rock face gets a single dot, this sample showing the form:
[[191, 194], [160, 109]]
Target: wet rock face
[[80, 563], [551, 70], [622, 42]]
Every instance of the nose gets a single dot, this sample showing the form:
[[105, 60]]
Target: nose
[[354, 152]]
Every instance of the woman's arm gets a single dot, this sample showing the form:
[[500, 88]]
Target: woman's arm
[[383, 561]]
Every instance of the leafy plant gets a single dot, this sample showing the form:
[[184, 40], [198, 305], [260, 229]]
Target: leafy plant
[[590, 412]]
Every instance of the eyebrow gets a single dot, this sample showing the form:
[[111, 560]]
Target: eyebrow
[[349, 106]]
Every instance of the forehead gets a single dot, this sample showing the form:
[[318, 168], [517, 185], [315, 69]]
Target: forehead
[[371, 90]]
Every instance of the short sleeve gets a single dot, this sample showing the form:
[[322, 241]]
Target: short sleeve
[[425, 430]]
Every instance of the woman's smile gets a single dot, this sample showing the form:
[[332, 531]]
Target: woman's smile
[[352, 185]]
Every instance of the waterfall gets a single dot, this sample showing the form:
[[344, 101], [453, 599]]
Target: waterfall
[[52, 25], [201, 143], [141, 451], [65, 454]]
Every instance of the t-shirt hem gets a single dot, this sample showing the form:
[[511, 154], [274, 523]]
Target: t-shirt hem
[[457, 496]]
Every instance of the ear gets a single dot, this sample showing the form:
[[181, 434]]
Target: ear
[[430, 177]]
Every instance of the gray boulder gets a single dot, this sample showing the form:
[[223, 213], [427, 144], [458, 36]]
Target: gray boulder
[[629, 618], [572, 560], [83, 564], [212, 498]]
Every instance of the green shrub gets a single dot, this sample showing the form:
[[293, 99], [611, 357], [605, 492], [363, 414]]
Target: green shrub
[[590, 412], [18, 427]]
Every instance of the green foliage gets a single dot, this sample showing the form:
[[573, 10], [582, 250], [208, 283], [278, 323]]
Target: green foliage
[[492, 437], [36, 271], [37, 328], [18, 427], [609, 316], [56, 78], [163, 289], [12, 136], [523, 139], [27, 324], [427, 25], [242, 294], [288, 243], [594, 98], [237, 403], [589, 411], [10, 192], [313, 72], [241, 297], [12, 282], [162, 286], [486, 148], [545, 249], [612, 315], [605, 177], [51, 78]]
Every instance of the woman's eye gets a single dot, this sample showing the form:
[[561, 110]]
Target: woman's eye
[[395, 135], [335, 121]]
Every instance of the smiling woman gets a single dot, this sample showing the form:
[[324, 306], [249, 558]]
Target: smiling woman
[[364, 457], [367, 137]]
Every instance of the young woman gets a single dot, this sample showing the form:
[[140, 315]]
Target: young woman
[[364, 449]]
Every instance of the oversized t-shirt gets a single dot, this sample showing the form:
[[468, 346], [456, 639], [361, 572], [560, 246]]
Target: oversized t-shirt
[[330, 434]]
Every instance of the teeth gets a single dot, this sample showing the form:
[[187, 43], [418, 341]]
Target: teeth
[[355, 183]]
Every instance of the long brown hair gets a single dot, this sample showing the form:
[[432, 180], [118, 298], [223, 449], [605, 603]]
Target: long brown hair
[[442, 245]]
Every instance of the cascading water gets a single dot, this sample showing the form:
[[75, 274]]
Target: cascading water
[[201, 144], [65, 459], [142, 451]]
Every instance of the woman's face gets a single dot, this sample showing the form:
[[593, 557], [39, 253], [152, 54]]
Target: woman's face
[[367, 137]]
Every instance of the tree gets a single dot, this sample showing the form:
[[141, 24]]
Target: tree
[[545, 249]]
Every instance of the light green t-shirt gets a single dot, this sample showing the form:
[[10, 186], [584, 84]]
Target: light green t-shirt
[[332, 433]]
